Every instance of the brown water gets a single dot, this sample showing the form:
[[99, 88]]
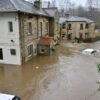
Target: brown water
[[66, 75]]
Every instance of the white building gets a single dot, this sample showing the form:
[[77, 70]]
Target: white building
[[16, 20], [9, 39]]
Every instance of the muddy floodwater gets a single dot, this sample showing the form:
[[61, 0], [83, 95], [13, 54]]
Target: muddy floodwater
[[65, 75]]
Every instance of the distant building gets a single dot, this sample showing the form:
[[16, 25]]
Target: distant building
[[77, 28], [23, 24]]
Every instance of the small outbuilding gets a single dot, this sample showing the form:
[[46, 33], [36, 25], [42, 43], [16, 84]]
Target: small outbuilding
[[46, 45]]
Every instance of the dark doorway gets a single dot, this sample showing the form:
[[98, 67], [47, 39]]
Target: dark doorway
[[81, 36], [1, 54], [69, 36]]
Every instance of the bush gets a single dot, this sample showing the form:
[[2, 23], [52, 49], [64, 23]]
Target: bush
[[98, 67]]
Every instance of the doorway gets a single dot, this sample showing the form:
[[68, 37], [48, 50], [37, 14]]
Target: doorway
[[69, 36]]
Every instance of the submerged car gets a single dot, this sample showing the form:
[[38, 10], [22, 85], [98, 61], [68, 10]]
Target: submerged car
[[8, 97], [90, 51]]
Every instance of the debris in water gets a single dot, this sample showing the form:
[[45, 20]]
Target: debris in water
[[37, 67]]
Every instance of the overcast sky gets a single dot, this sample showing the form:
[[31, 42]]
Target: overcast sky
[[82, 2], [77, 2]]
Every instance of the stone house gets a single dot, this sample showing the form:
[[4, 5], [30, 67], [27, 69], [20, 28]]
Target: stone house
[[54, 28], [23, 24], [80, 28]]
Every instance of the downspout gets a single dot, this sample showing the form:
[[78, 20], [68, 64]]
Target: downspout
[[19, 21], [21, 29], [37, 18], [37, 27]]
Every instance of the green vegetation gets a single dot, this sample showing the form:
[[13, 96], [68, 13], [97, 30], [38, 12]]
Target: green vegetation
[[98, 67]]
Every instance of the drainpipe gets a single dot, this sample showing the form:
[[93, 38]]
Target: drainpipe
[[37, 18], [21, 32], [37, 27]]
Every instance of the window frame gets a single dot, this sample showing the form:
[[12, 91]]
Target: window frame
[[69, 26], [87, 26], [30, 50], [10, 26], [64, 26], [13, 52], [46, 27], [81, 26], [29, 28]]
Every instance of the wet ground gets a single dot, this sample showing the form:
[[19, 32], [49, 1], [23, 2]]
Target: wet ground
[[66, 75]]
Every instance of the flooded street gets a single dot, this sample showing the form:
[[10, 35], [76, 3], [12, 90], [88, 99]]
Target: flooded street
[[66, 75]]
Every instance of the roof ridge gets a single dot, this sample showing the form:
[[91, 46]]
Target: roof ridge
[[12, 2], [50, 8]]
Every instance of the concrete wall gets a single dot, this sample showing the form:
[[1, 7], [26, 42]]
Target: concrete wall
[[6, 37]]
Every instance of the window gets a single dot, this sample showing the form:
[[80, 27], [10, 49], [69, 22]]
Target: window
[[1, 54], [87, 25], [13, 51], [30, 50], [69, 26], [80, 36], [40, 28], [10, 26], [30, 28], [81, 26], [46, 27], [64, 25]]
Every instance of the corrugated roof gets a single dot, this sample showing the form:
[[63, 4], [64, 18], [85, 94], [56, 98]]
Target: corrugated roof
[[20, 5], [75, 19]]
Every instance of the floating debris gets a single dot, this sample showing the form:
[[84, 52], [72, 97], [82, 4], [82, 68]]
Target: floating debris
[[37, 67]]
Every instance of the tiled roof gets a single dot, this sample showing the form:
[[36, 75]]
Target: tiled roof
[[45, 41], [6, 6], [21, 6], [75, 19]]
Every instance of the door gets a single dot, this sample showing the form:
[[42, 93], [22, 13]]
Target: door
[[1, 54]]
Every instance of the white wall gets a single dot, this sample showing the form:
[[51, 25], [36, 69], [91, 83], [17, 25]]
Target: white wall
[[6, 37]]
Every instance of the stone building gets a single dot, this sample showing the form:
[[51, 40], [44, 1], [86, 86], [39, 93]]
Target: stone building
[[54, 28], [23, 24], [77, 28]]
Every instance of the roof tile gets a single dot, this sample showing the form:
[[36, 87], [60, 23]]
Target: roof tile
[[45, 41]]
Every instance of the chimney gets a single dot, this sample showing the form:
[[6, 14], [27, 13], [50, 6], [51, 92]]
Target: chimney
[[38, 3]]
